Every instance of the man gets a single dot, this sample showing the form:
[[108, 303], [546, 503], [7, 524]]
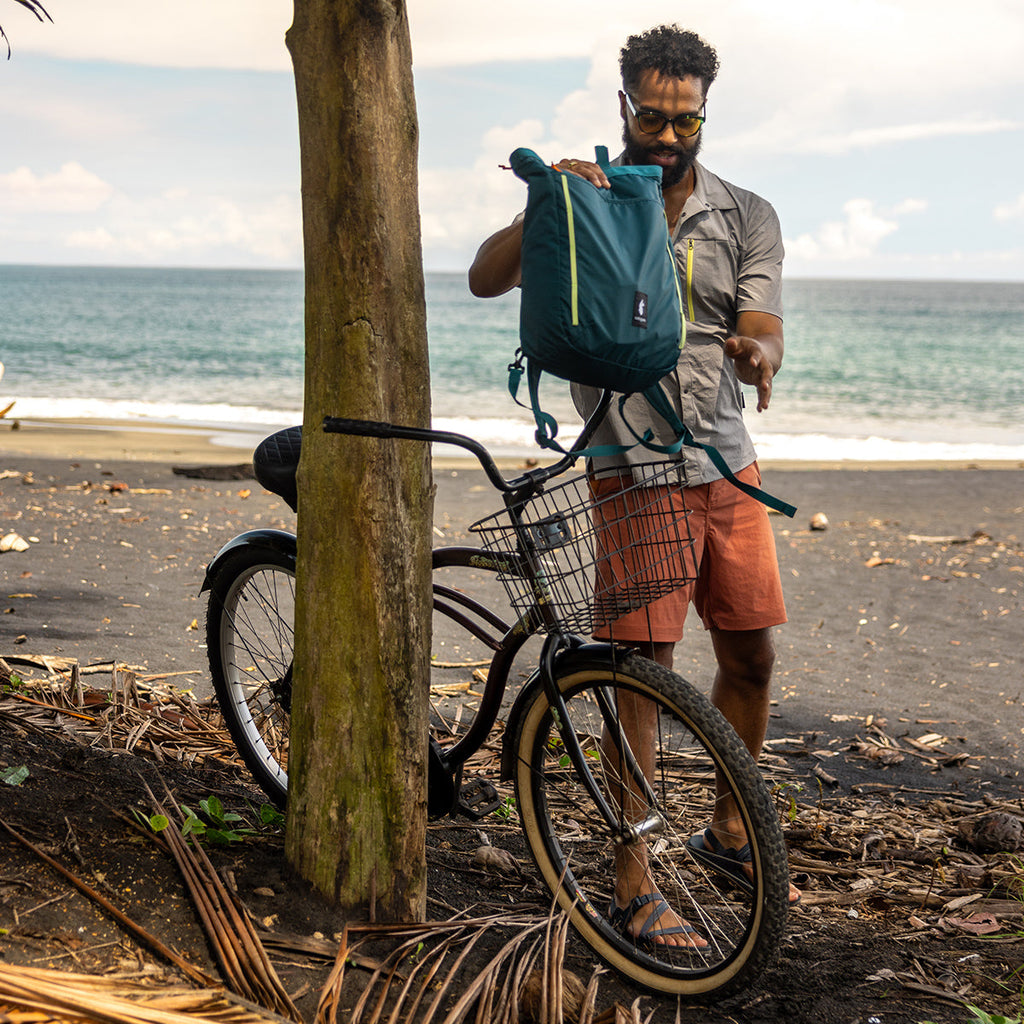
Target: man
[[728, 249]]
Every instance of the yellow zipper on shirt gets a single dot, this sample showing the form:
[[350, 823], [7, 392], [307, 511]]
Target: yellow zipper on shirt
[[573, 278], [689, 280]]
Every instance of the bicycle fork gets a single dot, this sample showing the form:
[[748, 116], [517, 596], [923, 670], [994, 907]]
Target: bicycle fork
[[623, 831]]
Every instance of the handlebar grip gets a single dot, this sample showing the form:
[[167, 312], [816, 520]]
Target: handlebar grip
[[361, 428]]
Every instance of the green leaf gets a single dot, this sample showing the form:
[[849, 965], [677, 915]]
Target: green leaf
[[15, 776], [158, 822], [212, 807], [270, 815], [222, 837]]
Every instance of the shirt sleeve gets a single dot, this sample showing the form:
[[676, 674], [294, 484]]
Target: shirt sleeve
[[759, 283]]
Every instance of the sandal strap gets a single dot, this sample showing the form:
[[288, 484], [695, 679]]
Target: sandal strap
[[740, 854], [622, 917]]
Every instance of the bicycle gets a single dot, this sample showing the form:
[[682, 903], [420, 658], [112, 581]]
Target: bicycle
[[583, 797]]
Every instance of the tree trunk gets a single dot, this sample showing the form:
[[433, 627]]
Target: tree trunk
[[357, 801]]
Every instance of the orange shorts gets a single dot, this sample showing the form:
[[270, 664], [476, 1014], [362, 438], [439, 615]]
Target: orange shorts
[[738, 585]]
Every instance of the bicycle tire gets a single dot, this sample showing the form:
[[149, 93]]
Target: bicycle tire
[[250, 636], [573, 846]]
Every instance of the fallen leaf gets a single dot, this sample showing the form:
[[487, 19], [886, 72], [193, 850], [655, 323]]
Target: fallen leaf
[[976, 924], [490, 858], [876, 560]]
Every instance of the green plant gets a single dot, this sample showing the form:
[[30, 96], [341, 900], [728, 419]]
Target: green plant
[[215, 825], [271, 817], [981, 1017], [13, 684], [785, 795], [508, 811]]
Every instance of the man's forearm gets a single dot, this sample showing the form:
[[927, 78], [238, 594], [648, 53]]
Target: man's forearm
[[497, 267]]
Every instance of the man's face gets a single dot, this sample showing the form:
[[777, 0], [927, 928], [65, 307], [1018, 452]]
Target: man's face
[[669, 97]]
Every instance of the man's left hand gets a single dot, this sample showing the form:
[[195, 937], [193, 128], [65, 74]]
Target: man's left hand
[[752, 365]]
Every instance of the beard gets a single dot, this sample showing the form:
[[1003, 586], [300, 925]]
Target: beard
[[637, 153]]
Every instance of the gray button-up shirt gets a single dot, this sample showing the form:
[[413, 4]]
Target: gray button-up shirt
[[728, 248]]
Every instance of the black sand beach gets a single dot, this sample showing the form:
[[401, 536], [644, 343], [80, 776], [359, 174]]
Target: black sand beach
[[897, 713], [909, 606]]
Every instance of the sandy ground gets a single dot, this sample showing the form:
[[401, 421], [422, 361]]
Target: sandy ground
[[906, 618], [909, 606]]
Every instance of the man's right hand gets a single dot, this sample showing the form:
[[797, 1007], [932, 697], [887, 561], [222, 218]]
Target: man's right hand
[[585, 169]]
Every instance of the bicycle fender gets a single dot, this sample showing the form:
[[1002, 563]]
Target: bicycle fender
[[278, 540], [566, 659]]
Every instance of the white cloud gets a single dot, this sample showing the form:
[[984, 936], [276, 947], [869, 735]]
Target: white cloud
[[71, 189], [186, 33], [1013, 210], [180, 227], [856, 237], [868, 138]]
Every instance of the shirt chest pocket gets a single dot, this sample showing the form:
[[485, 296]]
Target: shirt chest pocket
[[708, 268]]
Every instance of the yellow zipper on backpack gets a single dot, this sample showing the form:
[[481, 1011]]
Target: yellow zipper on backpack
[[573, 279]]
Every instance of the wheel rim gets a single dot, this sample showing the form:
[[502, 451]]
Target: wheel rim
[[256, 649], [568, 834]]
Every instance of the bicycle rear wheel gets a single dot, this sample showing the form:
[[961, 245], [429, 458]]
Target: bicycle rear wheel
[[575, 849], [250, 642]]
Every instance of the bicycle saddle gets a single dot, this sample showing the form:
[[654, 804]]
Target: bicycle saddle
[[275, 461]]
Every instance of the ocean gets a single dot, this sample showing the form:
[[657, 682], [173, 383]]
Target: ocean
[[874, 370]]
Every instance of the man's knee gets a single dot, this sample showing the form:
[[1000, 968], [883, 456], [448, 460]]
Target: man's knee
[[747, 657]]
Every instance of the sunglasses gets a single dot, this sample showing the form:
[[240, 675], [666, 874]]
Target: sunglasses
[[652, 122]]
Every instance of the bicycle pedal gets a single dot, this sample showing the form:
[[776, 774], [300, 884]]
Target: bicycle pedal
[[477, 798]]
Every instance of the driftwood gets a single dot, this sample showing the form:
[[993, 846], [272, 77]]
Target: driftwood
[[241, 471]]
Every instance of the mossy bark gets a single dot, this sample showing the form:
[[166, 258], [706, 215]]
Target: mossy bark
[[357, 805]]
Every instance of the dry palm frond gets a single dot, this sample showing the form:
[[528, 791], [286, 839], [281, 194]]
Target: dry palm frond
[[32, 996], [229, 930], [425, 977], [135, 714]]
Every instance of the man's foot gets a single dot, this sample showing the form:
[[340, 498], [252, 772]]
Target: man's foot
[[659, 926], [734, 862]]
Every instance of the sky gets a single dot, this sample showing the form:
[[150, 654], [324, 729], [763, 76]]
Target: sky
[[888, 134]]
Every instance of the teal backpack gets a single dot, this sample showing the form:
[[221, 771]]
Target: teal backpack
[[601, 300]]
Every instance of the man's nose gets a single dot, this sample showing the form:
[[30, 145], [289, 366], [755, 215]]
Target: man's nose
[[667, 135]]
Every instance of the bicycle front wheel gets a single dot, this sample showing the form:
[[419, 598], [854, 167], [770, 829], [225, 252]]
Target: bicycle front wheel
[[665, 787], [250, 642]]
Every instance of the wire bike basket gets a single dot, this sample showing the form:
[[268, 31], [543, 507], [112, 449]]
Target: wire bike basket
[[584, 553]]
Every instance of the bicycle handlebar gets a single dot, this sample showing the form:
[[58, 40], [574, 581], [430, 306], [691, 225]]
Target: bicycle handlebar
[[532, 478]]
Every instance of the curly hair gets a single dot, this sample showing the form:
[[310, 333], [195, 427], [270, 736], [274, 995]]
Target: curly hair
[[672, 52]]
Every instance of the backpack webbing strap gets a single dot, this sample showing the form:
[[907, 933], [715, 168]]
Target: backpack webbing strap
[[661, 405], [547, 425], [547, 431]]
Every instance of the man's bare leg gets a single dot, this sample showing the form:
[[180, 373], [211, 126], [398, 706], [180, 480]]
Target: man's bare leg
[[638, 719], [742, 692]]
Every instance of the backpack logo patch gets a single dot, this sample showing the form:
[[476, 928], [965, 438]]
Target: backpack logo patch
[[639, 309]]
